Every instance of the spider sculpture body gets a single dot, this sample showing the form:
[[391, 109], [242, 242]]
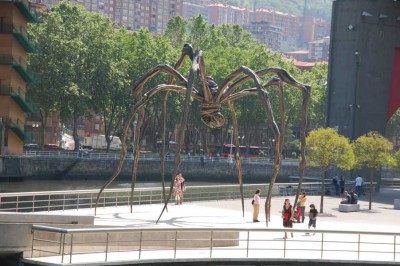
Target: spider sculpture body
[[211, 96]]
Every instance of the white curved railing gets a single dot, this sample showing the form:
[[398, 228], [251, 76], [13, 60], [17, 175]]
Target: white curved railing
[[230, 244], [145, 156], [78, 199]]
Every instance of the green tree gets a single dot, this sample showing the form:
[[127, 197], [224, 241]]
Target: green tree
[[70, 38], [199, 35], [373, 151], [110, 94], [177, 31], [317, 78], [326, 149]]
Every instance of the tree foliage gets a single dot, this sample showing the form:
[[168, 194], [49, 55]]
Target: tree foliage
[[326, 149], [87, 66], [373, 151]]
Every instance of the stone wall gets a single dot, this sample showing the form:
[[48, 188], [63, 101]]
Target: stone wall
[[149, 170]]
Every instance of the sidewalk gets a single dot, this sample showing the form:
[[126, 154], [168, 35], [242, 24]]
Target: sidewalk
[[228, 214]]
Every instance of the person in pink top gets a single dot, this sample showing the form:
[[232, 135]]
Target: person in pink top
[[256, 206], [178, 190]]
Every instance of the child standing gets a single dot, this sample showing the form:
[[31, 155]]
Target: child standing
[[313, 217]]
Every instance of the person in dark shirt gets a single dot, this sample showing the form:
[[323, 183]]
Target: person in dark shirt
[[346, 199], [354, 198], [313, 217], [342, 184]]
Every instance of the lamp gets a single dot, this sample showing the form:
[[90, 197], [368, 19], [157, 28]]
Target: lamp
[[230, 152]]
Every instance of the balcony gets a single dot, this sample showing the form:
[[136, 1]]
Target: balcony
[[17, 126], [26, 10], [20, 34], [17, 95], [19, 65]]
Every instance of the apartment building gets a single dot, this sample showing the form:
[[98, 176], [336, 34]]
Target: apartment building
[[14, 73], [319, 50], [288, 22], [266, 33], [226, 14], [132, 14], [191, 10]]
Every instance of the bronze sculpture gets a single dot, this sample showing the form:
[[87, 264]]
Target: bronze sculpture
[[211, 97]]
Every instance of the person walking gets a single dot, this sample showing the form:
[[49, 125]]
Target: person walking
[[256, 206], [358, 185], [287, 216], [302, 205], [313, 217]]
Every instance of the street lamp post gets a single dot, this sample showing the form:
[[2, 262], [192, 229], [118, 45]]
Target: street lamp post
[[134, 135], [35, 126], [230, 152], [1, 136]]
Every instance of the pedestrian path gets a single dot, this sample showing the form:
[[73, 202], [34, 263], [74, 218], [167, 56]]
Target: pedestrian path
[[228, 214]]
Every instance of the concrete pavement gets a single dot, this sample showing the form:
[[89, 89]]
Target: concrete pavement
[[227, 214]]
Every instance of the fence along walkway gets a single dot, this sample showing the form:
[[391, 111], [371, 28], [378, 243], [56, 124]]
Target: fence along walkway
[[78, 199], [58, 245]]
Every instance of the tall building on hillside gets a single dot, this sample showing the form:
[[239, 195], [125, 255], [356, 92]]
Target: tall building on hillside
[[290, 25], [14, 73], [319, 50], [267, 34], [132, 14], [226, 14], [191, 10]]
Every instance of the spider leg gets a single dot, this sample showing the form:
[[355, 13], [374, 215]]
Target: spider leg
[[137, 91], [226, 89], [283, 76], [187, 51], [189, 92], [237, 154], [264, 97], [136, 150], [146, 97]]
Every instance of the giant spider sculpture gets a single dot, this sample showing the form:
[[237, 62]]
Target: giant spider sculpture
[[211, 97]]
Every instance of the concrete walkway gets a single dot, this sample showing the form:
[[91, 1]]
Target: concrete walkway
[[227, 214]]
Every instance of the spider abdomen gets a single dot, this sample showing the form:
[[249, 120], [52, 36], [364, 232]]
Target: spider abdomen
[[211, 115]]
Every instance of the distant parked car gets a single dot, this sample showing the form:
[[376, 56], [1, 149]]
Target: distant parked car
[[51, 147], [31, 146]]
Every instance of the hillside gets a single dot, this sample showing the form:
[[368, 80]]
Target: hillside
[[317, 8]]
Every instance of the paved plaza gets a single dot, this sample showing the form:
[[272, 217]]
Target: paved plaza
[[227, 214]]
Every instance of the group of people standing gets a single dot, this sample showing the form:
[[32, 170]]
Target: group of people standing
[[339, 185], [288, 212], [349, 197]]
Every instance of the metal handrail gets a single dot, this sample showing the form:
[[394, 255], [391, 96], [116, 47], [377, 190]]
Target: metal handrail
[[78, 199], [93, 155], [242, 243]]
